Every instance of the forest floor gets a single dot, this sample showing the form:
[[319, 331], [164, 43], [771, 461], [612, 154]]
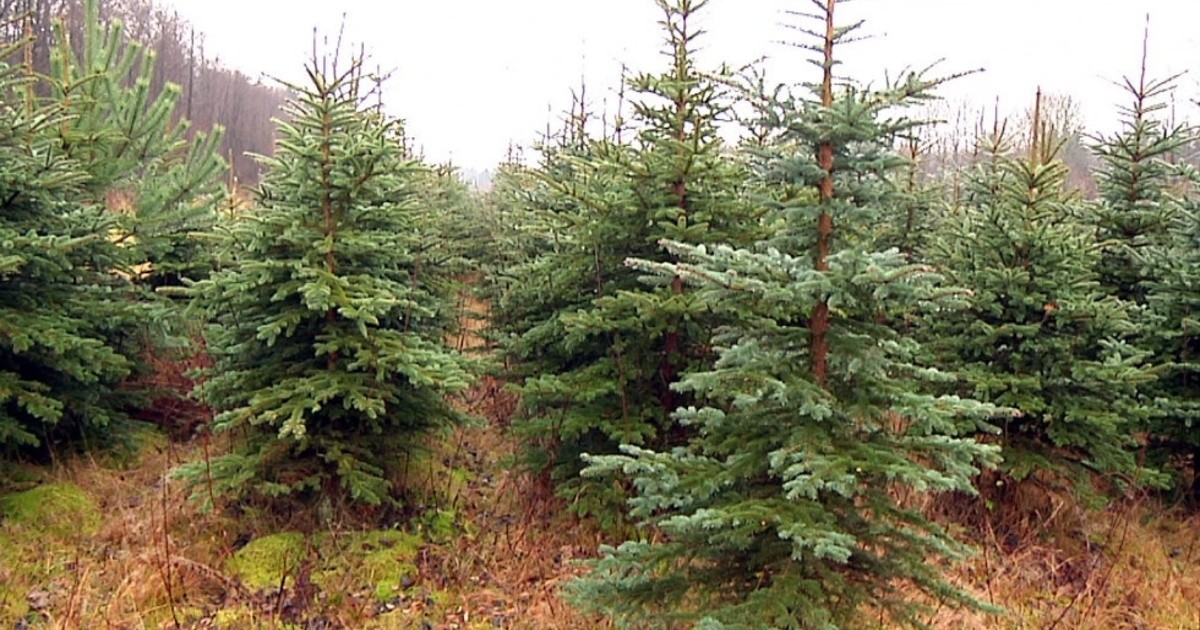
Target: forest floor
[[116, 542]]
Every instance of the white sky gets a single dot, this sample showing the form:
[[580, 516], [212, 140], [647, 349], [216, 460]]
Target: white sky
[[473, 75]]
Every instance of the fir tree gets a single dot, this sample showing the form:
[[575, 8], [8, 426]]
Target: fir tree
[[601, 349], [1040, 334], [1174, 298], [781, 512], [1136, 181], [142, 160], [61, 350], [1146, 229], [327, 341]]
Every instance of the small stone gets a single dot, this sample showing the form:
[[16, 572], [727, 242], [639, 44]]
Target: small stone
[[38, 599]]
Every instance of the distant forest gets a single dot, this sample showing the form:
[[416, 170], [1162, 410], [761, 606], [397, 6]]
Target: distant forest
[[211, 94]]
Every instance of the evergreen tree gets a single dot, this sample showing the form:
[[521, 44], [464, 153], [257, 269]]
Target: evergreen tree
[[1137, 183], [1040, 334], [1174, 298], [600, 349], [781, 511], [1146, 229], [161, 180], [61, 353], [327, 341]]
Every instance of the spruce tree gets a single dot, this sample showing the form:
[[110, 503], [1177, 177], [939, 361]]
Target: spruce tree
[[1137, 181], [1040, 334], [1174, 297], [143, 160], [327, 341], [781, 511], [601, 349], [61, 349], [1146, 228]]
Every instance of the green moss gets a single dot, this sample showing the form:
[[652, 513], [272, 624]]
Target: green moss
[[376, 561], [382, 558], [40, 532], [58, 510], [264, 562]]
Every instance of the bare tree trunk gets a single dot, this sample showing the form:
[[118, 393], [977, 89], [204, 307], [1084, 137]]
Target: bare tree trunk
[[819, 322]]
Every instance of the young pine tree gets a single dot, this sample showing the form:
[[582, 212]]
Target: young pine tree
[[62, 353], [781, 511], [1137, 181], [162, 184], [1040, 334], [603, 349], [1174, 298], [328, 348], [1146, 228]]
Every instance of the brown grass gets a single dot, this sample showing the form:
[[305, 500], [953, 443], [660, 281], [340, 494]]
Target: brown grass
[[158, 558], [1050, 563], [153, 553], [521, 549]]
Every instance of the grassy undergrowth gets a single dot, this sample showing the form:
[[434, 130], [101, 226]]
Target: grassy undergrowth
[[95, 545], [101, 545]]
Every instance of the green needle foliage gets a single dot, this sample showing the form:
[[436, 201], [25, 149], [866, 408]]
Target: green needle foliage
[[1174, 296], [62, 347], [1040, 334], [782, 511], [601, 349], [1137, 183], [163, 182], [1146, 225], [327, 339]]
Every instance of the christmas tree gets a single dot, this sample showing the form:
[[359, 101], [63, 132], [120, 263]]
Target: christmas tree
[[162, 181], [1146, 227], [62, 347], [327, 340], [1040, 335], [781, 510], [600, 349]]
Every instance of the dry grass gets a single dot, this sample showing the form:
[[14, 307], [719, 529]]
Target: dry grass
[[519, 548], [153, 557], [1132, 565], [157, 558]]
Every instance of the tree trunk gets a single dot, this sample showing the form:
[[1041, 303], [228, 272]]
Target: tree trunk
[[819, 322]]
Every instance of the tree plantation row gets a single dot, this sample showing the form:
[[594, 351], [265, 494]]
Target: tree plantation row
[[786, 371]]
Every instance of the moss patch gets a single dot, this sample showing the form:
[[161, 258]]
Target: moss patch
[[58, 510], [39, 532], [265, 561], [245, 617], [386, 558], [376, 562]]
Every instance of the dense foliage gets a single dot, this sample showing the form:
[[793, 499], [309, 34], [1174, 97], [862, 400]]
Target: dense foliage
[[1040, 335], [600, 350], [66, 320], [325, 332], [781, 511], [102, 186], [748, 360]]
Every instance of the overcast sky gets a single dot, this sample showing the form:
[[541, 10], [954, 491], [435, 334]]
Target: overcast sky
[[473, 75]]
